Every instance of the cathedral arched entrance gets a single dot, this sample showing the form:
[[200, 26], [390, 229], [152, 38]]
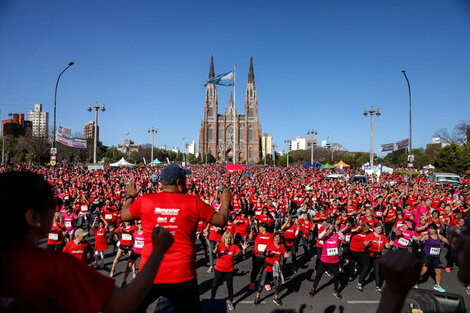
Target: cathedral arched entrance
[[229, 156]]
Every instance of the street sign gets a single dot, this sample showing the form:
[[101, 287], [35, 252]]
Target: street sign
[[410, 165], [53, 151], [53, 157], [53, 162], [411, 158]]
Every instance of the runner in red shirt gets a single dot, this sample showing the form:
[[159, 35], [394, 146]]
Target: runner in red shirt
[[55, 238], [138, 244], [272, 270], [101, 244], [290, 231], [126, 241], [171, 208], [262, 240], [357, 256], [79, 247], [226, 250]]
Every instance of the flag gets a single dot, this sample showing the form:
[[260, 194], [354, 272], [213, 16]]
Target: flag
[[222, 79], [128, 133]]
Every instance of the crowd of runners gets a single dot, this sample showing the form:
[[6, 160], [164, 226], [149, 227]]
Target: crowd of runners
[[281, 218]]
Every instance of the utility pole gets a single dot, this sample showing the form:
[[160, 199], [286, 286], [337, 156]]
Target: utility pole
[[288, 149], [274, 154], [311, 133], [153, 131], [371, 112], [410, 156], [96, 107]]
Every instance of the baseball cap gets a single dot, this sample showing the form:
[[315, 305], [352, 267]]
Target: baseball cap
[[81, 232], [172, 172]]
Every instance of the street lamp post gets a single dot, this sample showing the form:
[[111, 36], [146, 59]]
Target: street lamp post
[[153, 131], [409, 97], [55, 102], [274, 154], [371, 112], [311, 133], [96, 107], [288, 148]]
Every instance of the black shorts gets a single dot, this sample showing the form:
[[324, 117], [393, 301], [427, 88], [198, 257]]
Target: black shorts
[[126, 249], [134, 256], [430, 261]]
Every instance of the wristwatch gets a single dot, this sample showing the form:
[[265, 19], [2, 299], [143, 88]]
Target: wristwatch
[[129, 197]]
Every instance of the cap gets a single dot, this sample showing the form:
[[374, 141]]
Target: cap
[[81, 232], [408, 223], [172, 172]]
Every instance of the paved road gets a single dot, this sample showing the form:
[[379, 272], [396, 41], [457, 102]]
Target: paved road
[[294, 293]]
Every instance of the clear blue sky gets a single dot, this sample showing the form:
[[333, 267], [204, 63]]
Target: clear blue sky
[[317, 65]]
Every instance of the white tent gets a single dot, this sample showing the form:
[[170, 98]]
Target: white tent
[[156, 161], [121, 163], [387, 170], [429, 167]]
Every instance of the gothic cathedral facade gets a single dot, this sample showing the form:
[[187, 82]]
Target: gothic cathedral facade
[[217, 130]]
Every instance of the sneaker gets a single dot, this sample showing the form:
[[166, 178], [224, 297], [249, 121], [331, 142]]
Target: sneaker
[[252, 286], [230, 306], [468, 290], [267, 287], [439, 288], [447, 269], [337, 295], [277, 301], [257, 300], [328, 273], [312, 292], [124, 284], [111, 274], [378, 289], [210, 269], [415, 286], [359, 287], [134, 275]]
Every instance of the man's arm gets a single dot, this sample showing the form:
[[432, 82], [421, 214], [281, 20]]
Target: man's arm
[[220, 218], [133, 192]]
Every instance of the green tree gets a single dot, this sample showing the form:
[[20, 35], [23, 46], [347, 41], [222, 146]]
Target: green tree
[[453, 158]]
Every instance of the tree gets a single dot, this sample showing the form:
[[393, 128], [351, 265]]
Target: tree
[[453, 158], [461, 133]]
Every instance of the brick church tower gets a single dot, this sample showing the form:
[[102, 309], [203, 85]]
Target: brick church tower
[[216, 134]]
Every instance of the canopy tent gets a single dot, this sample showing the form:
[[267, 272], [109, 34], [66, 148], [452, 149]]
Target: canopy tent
[[387, 170], [308, 164], [121, 163], [341, 164], [327, 166], [156, 161], [428, 167], [317, 164]]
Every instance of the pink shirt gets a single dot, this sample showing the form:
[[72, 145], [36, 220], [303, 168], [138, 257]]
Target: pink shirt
[[404, 241], [138, 242], [420, 211], [330, 251]]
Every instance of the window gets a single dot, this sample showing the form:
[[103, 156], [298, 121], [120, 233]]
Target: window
[[229, 132], [250, 112], [250, 134], [210, 111], [249, 154], [219, 134], [209, 135], [241, 134]]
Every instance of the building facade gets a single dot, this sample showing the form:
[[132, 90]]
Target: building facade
[[217, 130], [301, 143], [39, 120], [16, 126], [266, 145], [89, 130]]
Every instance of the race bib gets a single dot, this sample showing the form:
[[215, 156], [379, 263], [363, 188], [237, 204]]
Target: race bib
[[332, 251], [126, 237], [84, 208], [261, 247], [139, 244], [53, 236], [399, 225], [435, 251], [403, 242], [68, 224], [348, 238], [320, 242], [108, 216], [378, 213]]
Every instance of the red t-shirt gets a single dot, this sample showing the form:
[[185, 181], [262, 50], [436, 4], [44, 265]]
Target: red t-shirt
[[261, 242], [39, 280], [242, 225], [225, 258], [56, 235], [273, 254], [376, 243], [180, 214], [78, 251], [357, 242], [100, 239]]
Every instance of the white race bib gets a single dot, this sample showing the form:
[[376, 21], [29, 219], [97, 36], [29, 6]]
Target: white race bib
[[332, 251], [84, 208], [261, 247], [378, 213], [108, 216], [320, 242], [139, 244], [53, 236], [68, 224], [348, 238], [126, 237], [435, 251], [403, 242]]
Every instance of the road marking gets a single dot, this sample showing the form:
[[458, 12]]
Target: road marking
[[364, 302], [250, 302]]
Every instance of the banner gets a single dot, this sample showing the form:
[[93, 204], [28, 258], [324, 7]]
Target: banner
[[63, 136], [233, 167], [402, 144]]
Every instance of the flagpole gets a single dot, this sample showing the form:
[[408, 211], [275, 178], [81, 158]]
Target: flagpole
[[234, 120]]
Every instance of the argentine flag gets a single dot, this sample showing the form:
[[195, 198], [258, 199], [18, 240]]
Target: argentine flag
[[222, 79]]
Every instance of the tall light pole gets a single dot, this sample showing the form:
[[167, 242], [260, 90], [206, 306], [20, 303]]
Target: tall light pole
[[288, 148], [96, 107], [409, 97], [153, 131], [55, 102], [371, 112], [274, 154], [265, 148], [311, 133]]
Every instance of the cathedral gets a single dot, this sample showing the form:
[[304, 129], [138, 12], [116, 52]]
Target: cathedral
[[216, 135]]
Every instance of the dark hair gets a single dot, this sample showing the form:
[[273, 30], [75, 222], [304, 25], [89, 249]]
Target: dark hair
[[433, 226], [21, 191]]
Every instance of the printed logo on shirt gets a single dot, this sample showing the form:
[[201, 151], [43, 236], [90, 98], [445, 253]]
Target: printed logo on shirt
[[163, 211]]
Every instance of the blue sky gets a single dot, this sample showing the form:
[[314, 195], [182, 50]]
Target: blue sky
[[317, 65]]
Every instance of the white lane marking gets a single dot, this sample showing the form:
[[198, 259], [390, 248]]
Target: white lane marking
[[364, 302], [250, 302]]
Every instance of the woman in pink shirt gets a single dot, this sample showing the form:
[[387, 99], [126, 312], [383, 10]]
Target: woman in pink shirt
[[138, 236]]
